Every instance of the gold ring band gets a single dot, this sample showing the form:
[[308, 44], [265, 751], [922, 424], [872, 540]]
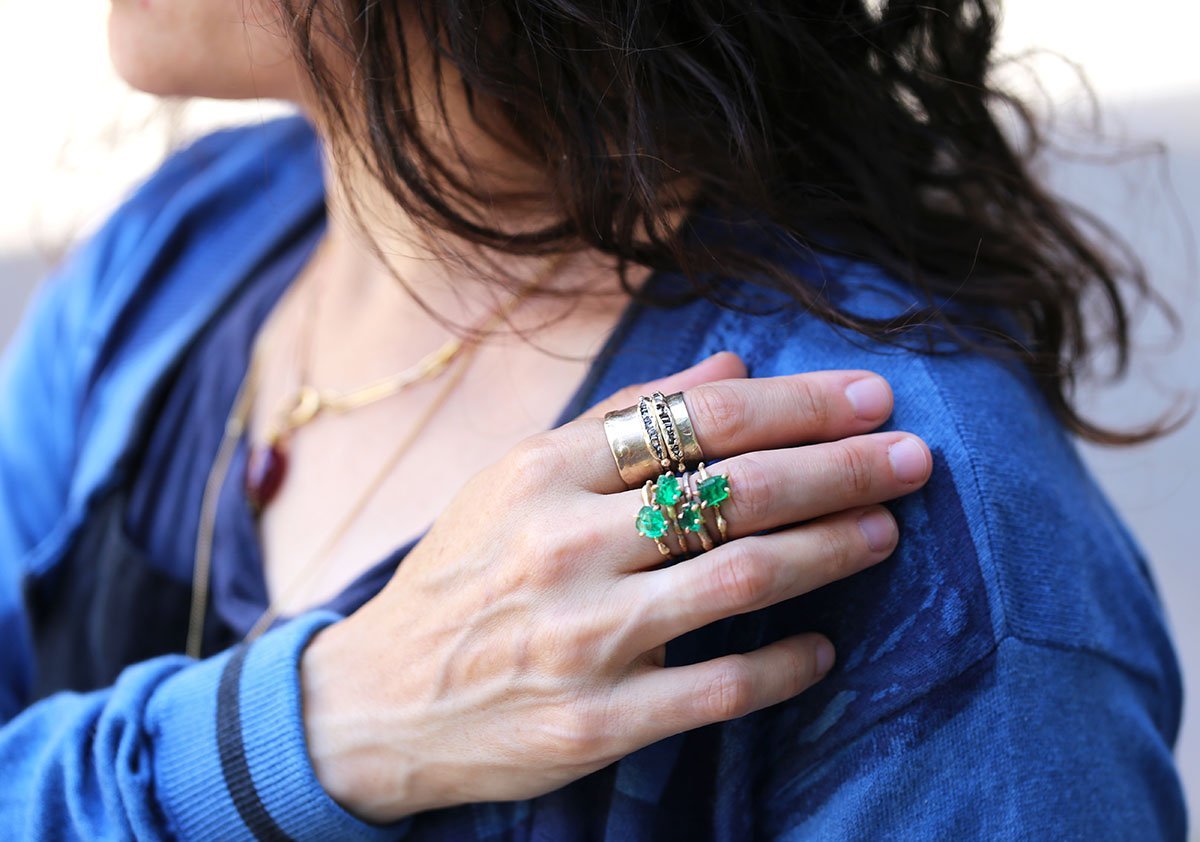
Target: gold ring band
[[666, 427], [683, 424], [645, 437], [628, 440]]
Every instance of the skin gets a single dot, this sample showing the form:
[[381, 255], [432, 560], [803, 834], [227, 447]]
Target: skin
[[510, 656]]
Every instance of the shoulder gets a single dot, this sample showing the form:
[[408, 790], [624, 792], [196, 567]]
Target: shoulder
[[1032, 742], [1010, 539]]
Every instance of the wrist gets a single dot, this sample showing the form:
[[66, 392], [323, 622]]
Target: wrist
[[346, 745]]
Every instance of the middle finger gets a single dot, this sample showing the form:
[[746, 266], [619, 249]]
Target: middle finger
[[739, 416]]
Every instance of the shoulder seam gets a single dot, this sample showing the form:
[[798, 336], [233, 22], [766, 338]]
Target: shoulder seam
[[1001, 606]]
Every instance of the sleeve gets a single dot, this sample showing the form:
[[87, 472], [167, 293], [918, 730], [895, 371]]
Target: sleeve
[[39, 403], [35, 458], [176, 748], [1035, 742], [43, 374]]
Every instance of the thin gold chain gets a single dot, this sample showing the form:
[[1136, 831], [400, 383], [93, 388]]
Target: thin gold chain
[[310, 567], [309, 401], [235, 425], [428, 366], [204, 533]]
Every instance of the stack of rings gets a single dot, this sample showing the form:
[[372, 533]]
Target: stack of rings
[[652, 443]]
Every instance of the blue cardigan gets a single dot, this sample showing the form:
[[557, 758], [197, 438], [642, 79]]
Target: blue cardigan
[[1006, 673]]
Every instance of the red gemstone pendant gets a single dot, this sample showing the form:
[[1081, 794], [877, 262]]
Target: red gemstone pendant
[[266, 468]]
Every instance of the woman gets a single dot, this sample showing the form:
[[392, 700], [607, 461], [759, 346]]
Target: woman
[[216, 450]]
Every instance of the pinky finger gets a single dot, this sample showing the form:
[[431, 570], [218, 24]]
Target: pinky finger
[[669, 700]]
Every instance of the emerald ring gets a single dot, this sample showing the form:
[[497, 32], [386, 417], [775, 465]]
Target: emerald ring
[[712, 490], [678, 505], [651, 520]]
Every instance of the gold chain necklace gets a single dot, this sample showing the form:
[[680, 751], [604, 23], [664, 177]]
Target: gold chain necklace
[[235, 425], [267, 463]]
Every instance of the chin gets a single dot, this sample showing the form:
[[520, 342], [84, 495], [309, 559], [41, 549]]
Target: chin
[[225, 49]]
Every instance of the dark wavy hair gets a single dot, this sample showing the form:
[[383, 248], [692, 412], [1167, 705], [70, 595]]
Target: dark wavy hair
[[862, 129]]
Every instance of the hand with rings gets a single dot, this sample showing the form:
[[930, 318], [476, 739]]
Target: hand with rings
[[520, 645]]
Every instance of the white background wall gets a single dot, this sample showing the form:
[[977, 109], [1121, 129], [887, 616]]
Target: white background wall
[[73, 139]]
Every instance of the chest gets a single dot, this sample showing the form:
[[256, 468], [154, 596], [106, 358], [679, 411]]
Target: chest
[[360, 484]]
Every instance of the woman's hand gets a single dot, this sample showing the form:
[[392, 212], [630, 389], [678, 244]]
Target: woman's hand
[[520, 644]]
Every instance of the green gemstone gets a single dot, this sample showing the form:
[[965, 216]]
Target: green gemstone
[[714, 490], [651, 522], [667, 491], [691, 519]]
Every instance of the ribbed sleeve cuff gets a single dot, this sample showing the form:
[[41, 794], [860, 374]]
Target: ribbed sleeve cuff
[[231, 761]]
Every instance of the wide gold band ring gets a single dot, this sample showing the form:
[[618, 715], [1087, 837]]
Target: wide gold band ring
[[641, 437]]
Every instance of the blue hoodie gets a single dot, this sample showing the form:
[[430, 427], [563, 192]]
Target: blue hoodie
[[1007, 673]]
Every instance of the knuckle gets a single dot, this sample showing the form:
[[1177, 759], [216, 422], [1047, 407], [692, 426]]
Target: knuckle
[[720, 413], [578, 733], [589, 645], [813, 401], [540, 455], [755, 495], [582, 538], [527, 546], [837, 549], [730, 693], [742, 576], [853, 469], [541, 557], [549, 566]]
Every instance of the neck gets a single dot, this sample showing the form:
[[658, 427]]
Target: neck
[[376, 242], [382, 257]]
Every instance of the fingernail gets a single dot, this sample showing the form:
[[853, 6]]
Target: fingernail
[[869, 397], [908, 460], [877, 529], [824, 656]]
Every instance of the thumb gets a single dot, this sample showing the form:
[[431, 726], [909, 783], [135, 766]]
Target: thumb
[[723, 365]]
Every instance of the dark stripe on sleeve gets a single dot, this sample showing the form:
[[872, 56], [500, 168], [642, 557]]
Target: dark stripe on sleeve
[[232, 749]]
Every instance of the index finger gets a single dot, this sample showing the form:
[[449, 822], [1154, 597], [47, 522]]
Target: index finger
[[738, 416]]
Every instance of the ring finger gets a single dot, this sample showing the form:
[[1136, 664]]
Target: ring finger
[[774, 488]]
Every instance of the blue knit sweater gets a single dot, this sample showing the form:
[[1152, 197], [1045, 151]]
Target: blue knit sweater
[[1005, 674]]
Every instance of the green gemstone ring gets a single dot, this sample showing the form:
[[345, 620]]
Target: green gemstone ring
[[650, 519], [677, 505], [712, 491]]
